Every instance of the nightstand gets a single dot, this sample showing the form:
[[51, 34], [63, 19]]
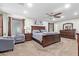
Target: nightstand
[[28, 36]]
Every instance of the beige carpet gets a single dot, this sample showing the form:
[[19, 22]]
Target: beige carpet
[[66, 47]]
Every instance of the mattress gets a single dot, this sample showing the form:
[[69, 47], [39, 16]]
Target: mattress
[[38, 36]]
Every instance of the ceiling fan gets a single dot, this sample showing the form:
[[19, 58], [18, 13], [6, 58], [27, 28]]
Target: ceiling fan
[[55, 15]]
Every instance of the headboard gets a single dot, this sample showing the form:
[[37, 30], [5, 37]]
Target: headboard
[[37, 28]]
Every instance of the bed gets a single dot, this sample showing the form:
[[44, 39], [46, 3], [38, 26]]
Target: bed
[[44, 38]]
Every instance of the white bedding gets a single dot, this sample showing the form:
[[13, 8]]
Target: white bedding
[[49, 33], [40, 35]]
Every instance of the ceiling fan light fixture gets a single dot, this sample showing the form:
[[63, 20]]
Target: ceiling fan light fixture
[[53, 19], [62, 16]]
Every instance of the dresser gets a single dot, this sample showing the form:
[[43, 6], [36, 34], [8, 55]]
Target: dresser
[[28, 36], [68, 33]]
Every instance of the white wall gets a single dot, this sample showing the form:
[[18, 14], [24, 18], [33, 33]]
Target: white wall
[[59, 25], [45, 24], [30, 22]]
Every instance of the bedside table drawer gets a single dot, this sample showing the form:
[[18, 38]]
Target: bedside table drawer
[[28, 36]]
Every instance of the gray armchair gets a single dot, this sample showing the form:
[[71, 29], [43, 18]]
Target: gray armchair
[[19, 38], [6, 43]]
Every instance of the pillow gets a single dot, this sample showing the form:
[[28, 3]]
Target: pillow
[[36, 31], [43, 31]]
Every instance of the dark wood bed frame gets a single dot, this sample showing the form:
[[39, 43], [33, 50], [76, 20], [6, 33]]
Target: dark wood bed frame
[[48, 39]]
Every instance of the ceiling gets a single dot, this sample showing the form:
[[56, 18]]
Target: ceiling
[[38, 10]]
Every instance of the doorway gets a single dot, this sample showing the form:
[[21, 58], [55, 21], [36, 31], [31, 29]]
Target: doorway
[[50, 27]]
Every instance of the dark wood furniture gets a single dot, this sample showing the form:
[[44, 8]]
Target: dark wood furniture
[[28, 36], [48, 39], [78, 42], [68, 33]]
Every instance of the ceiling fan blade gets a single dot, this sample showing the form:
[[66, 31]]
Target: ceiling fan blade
[[57, 14], [49, 14]]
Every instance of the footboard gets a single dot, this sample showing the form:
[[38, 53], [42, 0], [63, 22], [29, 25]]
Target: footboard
[[50, 39]]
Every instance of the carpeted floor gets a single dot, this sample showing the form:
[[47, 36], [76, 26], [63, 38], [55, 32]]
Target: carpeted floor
[[67, 47]]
